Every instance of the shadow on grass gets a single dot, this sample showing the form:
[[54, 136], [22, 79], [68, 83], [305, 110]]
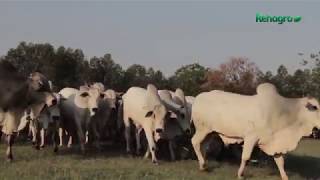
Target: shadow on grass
[[306, 166], [106, 151]]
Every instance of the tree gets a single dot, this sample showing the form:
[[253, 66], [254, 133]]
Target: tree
[[189, 78], [135, 75], [265, 77], [237, 75], [69, 68], [32, 57], [105, 70], [157, 78]]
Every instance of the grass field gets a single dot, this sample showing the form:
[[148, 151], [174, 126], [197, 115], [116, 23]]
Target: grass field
[[304, 163]]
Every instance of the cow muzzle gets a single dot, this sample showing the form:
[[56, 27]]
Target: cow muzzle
[[95, 110]]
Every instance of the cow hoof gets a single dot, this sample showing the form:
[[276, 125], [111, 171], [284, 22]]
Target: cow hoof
[[36, 147], [240, 177], [55, 149], [285, 177], [203, 168], [42, 147], [60, 145], [155, 162], [9, 158]]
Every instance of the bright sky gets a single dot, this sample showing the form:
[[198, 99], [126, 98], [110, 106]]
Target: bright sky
[[166, 35]]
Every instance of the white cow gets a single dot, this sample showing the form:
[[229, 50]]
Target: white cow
[[272, 122], [145, 109], [77, 110]]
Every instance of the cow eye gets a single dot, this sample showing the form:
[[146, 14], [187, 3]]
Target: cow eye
[[311, 107], [102, 95], [85, 94]]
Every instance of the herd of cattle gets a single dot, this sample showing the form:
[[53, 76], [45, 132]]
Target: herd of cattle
[[266, 120]]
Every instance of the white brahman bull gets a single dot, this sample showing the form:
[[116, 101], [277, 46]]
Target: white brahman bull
[[77, 111], [145, 109], [272, 122]]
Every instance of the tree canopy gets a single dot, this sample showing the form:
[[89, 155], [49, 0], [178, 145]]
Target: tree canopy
[[68, 67]]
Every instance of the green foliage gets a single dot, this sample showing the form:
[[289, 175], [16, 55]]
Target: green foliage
[[237, 75], [189, 78], [105, 70], [67, 67]]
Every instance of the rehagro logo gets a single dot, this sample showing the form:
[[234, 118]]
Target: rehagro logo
[[277, 19]]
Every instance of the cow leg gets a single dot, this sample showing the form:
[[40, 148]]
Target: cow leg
[[96, 136], [60, 137], [152, 145], [43, 133], [87, 137], [127, 133], [139, 129], [147, 154], [34, 135], [248, 145], [280, 163], [81, 140], [81, 135], [55, 139], [69, 141], [10, 141], [196, 143], [171, 148], [127, 136]]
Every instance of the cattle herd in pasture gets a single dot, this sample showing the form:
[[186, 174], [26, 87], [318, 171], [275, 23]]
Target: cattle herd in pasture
[[86, 115]]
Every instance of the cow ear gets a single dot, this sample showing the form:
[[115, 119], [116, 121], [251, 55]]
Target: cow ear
[[149, 114], [102, 95], [84, 94], [311, 107]]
